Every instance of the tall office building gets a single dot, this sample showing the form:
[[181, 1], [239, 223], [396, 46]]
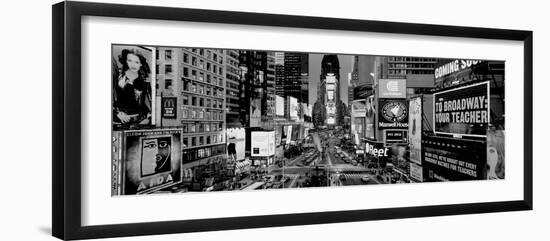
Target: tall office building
[[330, 88], [232, 75], [194, 80], [418, 71]]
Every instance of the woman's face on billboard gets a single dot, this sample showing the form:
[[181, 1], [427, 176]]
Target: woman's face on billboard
[[134, 64]]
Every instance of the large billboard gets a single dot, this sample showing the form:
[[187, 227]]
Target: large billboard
[[151, 160], [393, 114], [293, 107], [452, 159], [133, 86], [453, 72], [370, 113], [279, 105], [392, 88], [495, 154], [463, 110], [236, 143], [262, 143], [415, 129]]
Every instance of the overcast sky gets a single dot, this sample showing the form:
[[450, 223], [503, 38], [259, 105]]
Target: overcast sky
[[315, 73]]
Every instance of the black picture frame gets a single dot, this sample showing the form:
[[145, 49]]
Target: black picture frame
[[66, 127]]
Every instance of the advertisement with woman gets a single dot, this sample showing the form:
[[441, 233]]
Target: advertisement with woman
[[133, 86]]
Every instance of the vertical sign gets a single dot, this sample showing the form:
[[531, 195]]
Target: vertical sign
[[415, 129], [169, 107]]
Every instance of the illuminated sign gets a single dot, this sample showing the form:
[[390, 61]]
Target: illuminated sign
[[392, 88]]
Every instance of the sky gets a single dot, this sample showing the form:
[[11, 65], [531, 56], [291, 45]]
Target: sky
[[315, 73]]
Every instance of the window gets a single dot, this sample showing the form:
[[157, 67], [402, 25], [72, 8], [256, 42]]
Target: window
[[214, 103], [200, 89], [185, 100], [220, 70], [207, 128], [194, 61], [201, 76], [208, 140], [220, 126], [184, 114], [185, 71], [201, 102], [193, 101], [208, 78], [193, 141], [213, 127], [185, 58], [193, 88], [185, 140], [201, 51], [208, 66], [215, 58], [201, 116], [208, 90], [168, 54], [157, 69], [220, 103], [208, 53], [168, 68], [221, 116], [201, 65], [194, 74], [192, 128], [193, 116], [201, 140], [167, 83], [214, 116], [208, 103]]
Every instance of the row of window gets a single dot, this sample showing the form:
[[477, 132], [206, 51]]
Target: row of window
[[404, 72], [200, 63], [201, 127], [416, 65], [191, 86], [210, 79], [411, 59], [215, 55], [202, 102], [197, 154], [195, 141], [201, 115]]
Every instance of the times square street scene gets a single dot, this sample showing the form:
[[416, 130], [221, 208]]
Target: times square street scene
[[200, 120]]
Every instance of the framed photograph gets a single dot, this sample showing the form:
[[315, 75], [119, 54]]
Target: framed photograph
[[172, 120]]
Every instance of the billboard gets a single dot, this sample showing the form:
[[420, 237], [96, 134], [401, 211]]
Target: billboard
[[279, 105], [415, 172], [151, 160], [262, 143], [392, 88], [495, 154], [451, 159], [463, 110], [370, 112], [293, 107], [133, 86], [415, 129], [236, 143], [393, 114], [169, 107], [453, 72]]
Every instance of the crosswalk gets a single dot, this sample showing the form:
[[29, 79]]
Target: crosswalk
[[348, 175]]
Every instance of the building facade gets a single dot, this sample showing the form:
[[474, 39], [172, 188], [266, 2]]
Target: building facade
[[195, 79]]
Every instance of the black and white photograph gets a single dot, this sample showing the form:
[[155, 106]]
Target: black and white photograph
[[191, 119]]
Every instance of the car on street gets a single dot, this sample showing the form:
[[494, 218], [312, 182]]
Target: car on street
[[365, 178], [342, 177]]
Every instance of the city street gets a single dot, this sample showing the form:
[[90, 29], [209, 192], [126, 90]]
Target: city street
[[326, 160]]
